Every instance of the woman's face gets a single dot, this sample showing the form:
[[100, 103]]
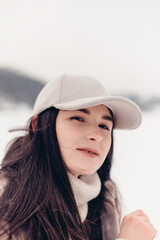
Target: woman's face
[[84, 138]]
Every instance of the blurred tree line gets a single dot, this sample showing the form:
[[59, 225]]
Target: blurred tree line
[[17, 87]]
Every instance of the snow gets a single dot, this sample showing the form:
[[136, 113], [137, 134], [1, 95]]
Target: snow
[[136, 168]]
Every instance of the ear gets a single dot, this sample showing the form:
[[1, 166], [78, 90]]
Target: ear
[[34, 122]]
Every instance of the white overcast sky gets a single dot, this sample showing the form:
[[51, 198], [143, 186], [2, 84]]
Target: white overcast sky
[[116, 41]]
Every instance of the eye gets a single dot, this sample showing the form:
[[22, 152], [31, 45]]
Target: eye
[[77, 118], [104, 127]]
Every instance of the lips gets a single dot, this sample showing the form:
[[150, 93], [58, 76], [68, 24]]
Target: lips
[[88, 150]]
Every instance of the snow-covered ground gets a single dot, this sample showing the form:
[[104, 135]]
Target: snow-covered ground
[[11, 117], [136, 168]]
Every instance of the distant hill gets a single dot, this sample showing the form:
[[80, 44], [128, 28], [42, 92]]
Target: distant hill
[[148, 104], [17, 88]]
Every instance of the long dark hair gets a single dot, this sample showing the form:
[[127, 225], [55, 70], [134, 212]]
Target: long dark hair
[[37, 198]]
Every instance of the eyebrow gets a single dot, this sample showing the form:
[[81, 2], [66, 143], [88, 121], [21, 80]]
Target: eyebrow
[[105, 117]]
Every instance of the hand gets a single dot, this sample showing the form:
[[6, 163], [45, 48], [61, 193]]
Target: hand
[[137, 226]]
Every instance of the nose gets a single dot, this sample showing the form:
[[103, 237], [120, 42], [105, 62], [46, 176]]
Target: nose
[[94, 135]]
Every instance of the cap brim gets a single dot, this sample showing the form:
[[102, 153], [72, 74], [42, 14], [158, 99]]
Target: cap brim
[[127, 114]]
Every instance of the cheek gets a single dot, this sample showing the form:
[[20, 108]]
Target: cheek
[[107, 145], [66, 135], [62, 134]]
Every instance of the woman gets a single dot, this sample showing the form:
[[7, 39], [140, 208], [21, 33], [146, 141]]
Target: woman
[[56, 179]]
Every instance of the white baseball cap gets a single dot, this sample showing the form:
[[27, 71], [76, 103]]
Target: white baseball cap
[[71, 92]]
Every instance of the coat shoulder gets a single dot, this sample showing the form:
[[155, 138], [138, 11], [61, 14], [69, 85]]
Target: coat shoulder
[[3, 183], [110, 217]]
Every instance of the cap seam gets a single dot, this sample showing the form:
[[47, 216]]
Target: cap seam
[[61, 89]]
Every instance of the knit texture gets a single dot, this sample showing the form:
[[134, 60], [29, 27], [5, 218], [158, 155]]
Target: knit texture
[[85, 189]]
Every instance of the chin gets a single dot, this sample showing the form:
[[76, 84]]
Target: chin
[[87, 171]]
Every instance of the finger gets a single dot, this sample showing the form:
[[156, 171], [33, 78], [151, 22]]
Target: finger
[[143, 218], [154, 233], [152, 229], [139, 213]]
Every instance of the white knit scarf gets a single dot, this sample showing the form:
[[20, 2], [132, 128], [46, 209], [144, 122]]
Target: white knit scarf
[[85, 188]]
